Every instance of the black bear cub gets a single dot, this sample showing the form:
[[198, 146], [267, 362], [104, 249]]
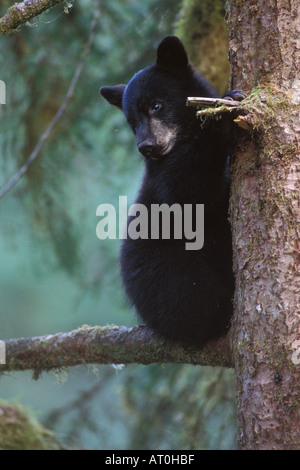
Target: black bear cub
[[182, 292]]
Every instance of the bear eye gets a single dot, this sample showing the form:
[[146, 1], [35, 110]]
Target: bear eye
[[155, 107]]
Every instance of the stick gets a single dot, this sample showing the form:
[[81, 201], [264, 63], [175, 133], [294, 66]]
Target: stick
[[210, 102]]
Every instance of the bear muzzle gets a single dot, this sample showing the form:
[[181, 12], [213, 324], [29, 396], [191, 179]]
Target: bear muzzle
[[149, 149]]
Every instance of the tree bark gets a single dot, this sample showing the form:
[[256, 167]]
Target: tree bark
[[265, 212]]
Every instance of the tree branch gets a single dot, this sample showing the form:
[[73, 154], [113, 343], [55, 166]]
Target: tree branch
[[108, 345], [248, 114], [214, 107], [20, 13]]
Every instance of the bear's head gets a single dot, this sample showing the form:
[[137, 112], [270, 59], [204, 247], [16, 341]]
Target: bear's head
[[154, 101]]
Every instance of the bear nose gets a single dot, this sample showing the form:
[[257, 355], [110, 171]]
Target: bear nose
[[146, 148]]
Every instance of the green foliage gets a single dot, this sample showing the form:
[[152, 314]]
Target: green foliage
[[188, 407], [20, 431]]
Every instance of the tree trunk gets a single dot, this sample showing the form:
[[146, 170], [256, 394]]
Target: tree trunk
[[265, 212]]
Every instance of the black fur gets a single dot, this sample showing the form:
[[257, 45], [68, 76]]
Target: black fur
[[182, 294]]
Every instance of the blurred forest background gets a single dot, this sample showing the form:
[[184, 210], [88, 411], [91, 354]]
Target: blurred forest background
[[55, 275]]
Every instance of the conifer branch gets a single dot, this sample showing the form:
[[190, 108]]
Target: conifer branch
[[108, 345], [20, 13]]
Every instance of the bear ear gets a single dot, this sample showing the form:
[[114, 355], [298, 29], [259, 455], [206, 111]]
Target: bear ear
[[171, 53], [113, 94]]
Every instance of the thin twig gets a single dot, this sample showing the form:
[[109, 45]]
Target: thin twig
[[215, 111], [210, 102], [214, 107], [61, 110]]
